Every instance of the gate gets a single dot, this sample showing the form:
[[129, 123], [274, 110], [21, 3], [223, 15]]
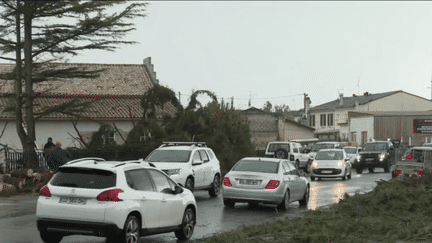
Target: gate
[[15, 160]]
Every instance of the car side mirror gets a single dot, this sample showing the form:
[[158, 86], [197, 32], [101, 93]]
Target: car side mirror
[[178, 189], [196, 162], [347, 159]]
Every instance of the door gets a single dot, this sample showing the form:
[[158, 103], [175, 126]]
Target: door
[[198, 169], [171, 207], [146, 195], [208, 167], [298, 185]]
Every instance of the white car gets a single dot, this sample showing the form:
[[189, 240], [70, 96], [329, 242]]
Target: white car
[[330, 163], [287, 150], [191, 164], [265, 180], [352, 153], [118, 200]]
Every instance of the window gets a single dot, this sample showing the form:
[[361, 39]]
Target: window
[[204, 156], [293, 170], [139, 180], [323, 120], [84, 178], [312, 120], [196, 157], [330, 119], [353, 136], [162, 182]]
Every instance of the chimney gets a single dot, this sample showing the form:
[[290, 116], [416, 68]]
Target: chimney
[[366, 93], [307, 102], [340, 99], [149, 68], [354, 95]]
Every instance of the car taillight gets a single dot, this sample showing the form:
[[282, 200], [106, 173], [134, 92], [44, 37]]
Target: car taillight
[[398, 172], [420, 173], [44, 191], [409, 156], [272, 184], [227, 182], [111, 195]]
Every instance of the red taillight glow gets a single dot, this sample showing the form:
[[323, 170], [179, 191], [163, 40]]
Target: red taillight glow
[[227, 182], [44, 191], [272, 184], [111, 195], [409, 156], [420, 173], [398, 172]]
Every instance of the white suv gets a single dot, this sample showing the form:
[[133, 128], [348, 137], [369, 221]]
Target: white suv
[[191, 164], [119, 200], [287, 150]]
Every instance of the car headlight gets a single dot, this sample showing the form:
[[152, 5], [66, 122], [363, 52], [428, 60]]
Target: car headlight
[[358, 158], [339, 164], [315, 163], [173, 172], [381, 157]]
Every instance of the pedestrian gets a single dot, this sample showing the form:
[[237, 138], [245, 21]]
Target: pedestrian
[[49, 144], [57, 157]]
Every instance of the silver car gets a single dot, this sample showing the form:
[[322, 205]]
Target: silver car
[[352, 153], [265, 180], [330, 163]]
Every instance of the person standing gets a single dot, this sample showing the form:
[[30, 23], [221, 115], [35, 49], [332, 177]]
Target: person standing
[[57, 157], [49, 144]]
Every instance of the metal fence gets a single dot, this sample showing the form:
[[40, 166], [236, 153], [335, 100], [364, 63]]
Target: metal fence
[[15, 160]]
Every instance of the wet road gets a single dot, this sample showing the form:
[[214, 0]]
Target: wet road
[[18, 220]]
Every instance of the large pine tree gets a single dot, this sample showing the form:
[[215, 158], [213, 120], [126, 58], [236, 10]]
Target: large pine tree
[[51, 31]]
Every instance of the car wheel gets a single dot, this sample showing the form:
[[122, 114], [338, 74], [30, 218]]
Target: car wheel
[[305, 200], [214, 191], [371, 170], [190, 184], [228, 203], [281, 153], [387, 166], [312, 178], [297, 164], [188, 225], [48, 237], [253, 204], [344, 177], [283, 206], [349, 176], [130, 233], [359, 170], [308, 165]]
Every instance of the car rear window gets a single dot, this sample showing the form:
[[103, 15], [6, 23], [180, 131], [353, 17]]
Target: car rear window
[[165, 155], [84, 178], [273, 147], [256, 166], [417, 155]]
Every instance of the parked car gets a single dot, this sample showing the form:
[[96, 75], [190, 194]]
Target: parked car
[[331, 163], [427, 145], [112, 199], [287, 150], [191, 164], [352, 153], [415, 162], [265, 180], [377, 154]]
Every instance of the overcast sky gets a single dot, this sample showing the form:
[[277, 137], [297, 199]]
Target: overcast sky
[[277, 51]]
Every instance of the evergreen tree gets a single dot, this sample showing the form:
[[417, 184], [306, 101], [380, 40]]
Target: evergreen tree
[[53, 30]]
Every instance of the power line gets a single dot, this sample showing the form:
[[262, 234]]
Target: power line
[[276, 97]]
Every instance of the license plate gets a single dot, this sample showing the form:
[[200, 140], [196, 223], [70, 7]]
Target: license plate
[[73, 200], [326, 171], [369, 159], [248, 182]]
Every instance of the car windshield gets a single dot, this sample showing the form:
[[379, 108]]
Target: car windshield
[[175, 156], [274, 146], [350, 150], [329, 155], [320, 146], [84, 178], [375, 146], [417, 155], [256, 166]]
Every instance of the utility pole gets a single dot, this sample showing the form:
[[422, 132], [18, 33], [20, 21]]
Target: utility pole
[[179, 98], [430, 87]]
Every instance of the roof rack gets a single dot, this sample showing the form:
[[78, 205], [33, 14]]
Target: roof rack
[[197, 144], [84, 159], [134, 162]]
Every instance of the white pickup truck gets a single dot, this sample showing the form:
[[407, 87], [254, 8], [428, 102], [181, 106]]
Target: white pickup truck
[[287, 150]]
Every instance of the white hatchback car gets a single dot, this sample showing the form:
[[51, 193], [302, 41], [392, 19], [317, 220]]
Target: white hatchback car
[[119, 200], [191, 164], [330, 163]]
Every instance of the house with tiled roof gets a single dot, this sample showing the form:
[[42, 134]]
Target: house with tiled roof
[[114, 99], [267, 127], [331, 119]]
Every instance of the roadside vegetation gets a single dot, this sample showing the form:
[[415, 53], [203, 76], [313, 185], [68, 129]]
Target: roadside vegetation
[[395, 211], [24, 181]]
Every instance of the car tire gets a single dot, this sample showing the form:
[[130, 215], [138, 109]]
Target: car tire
[[371, 170], [312, 178], [349, 176], [130, 233], [253, 204], [188, 225], [214, 191], [228, 203], [359, 170], [190, 184], [297, 164], [308, 167], [283, 206], [281, 153], [48, 237], [305, 200], [387, 166]]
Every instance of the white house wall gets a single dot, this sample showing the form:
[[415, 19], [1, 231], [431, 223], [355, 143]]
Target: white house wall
[[293, 131], [361, 124], [400, 102], [59, 131]]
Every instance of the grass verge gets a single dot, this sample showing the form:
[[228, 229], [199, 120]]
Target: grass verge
[[398, 210]]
